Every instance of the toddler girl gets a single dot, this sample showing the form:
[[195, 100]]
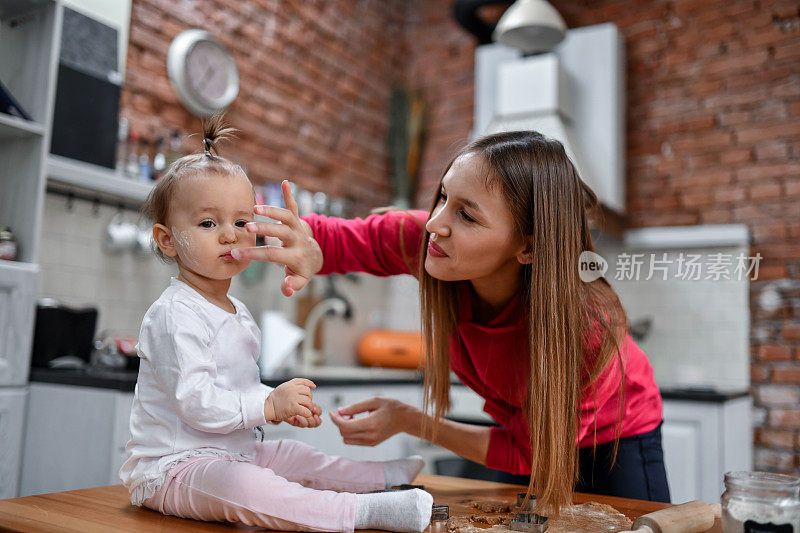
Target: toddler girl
[[193, 452]]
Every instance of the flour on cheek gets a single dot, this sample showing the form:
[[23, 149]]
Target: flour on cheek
[[184, 245]]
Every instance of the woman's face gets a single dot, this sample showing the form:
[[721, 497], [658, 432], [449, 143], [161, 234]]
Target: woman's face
[[472, 231]]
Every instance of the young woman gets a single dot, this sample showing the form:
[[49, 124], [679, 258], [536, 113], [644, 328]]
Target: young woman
[[504, 308]]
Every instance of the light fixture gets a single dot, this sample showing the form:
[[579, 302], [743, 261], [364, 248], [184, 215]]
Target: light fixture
[[530, 25]]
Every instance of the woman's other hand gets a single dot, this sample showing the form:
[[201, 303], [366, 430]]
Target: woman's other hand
[[386, 418], [300, 254]]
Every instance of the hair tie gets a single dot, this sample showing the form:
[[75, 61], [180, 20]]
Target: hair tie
[[207, 146]]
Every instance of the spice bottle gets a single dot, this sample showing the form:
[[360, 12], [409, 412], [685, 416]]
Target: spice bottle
[[8, 244]]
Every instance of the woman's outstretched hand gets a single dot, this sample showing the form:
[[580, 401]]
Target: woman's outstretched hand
[[386, 418], [300, 254]]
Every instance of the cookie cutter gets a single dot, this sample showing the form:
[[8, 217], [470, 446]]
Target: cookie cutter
[[440, 512], [528, 522], [530, 506]]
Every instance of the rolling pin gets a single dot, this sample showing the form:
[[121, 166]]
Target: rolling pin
[[690, 517]]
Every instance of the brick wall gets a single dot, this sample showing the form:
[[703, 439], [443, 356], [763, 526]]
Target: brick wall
[[315, 79], [713, 124]]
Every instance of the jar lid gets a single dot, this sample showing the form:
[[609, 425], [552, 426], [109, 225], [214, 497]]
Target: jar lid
[[763, 481]]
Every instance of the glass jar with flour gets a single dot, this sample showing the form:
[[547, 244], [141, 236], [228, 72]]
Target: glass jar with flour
[[760, 502]]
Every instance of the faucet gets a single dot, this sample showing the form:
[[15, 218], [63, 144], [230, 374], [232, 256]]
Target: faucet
[[332, 304]]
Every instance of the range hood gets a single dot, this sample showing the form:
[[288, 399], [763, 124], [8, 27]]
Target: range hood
[[574, 94]]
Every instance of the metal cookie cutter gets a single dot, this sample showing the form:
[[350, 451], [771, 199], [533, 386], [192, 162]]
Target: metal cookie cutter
[[440, 512], [530, 506], [528, 522]]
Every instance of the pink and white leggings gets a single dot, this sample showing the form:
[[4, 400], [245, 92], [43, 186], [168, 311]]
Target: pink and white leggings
[[290, 486]]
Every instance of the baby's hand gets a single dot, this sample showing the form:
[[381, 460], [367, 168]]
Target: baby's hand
[[312, 422], [290, 399]]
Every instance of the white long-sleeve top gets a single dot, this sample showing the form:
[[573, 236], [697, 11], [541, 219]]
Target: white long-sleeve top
[[199, 390]]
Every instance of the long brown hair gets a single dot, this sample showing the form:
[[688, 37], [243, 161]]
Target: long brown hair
[[551, 208]]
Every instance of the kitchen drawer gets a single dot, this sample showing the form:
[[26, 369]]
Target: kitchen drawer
[[68, 434]]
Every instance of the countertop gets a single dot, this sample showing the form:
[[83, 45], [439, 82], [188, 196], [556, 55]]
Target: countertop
[[125, 381], [109, 508]]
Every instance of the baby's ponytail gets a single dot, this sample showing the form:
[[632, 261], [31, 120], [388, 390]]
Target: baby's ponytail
[[215, 130]]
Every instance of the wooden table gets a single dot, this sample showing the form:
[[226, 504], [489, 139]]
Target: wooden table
[[109, 509]]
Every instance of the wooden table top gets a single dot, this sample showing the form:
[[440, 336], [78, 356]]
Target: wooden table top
[[108, 508]]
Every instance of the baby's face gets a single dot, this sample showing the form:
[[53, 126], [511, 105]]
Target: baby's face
[[207, 220]]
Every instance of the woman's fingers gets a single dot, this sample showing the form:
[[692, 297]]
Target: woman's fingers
[[282, 232], [288, 198], [363, 406], [285, 216], [286, 287], [273, 254], [356, 425], [292, 282]]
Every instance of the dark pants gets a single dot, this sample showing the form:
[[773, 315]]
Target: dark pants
[[637, 473]]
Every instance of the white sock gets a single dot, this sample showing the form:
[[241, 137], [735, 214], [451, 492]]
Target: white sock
[[402, 471], [400, 510]]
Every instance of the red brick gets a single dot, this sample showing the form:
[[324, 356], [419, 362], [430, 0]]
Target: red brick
[[776, 438], [791, 332], [736, 62], [773, 150], [784, 418], [774, 460], [765, 171], [789, 374], [759, 373], [735, 156], [766, 132], [769, 270], [774, 352], [764, 191]]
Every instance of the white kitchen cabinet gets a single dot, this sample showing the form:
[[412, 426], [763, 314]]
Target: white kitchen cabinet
[[12, 422], [702, 441], [79, 435], [75, 438]]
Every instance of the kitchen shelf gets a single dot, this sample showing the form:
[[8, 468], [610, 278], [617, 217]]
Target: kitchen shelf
[[18, 266], [15, 127], [94, 178]]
